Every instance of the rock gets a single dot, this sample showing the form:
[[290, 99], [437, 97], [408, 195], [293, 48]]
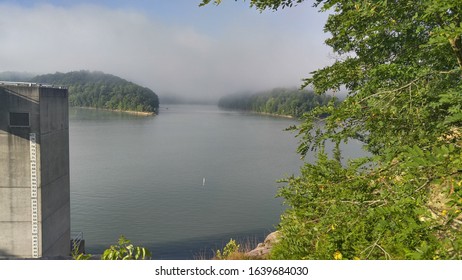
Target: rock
[[263, 249]]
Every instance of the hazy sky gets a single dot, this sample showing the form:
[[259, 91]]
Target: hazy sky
[[169, 46]]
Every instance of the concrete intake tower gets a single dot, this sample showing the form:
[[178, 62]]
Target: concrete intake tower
[[34, 171]]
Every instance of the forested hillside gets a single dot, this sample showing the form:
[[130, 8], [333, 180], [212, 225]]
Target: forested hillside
[[280, 101], [100, 90]]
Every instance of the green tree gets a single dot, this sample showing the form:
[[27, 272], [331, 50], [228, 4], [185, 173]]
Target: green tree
[[401, 63]]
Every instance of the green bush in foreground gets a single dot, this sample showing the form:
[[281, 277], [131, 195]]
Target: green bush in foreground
[[125, 250], [401, 63], [230, 248]]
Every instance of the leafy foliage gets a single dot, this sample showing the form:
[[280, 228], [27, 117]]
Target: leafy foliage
[[404, 105], [279, 101], [125, 250], [81, 256], [99, 90], [262, 4], [401, 63], [77, 255], [230, 248]]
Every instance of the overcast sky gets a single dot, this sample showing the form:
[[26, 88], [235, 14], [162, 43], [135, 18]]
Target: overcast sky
[[169, 46]]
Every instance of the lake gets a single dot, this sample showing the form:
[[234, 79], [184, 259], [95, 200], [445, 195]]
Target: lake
[[181, 183]]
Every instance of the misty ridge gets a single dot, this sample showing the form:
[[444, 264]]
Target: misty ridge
[[174, 49], [95, 89], [288, 102]]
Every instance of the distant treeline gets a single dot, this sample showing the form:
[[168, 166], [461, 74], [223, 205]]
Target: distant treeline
[[99, 90], [176, 99], [16, 76], [280, 101]]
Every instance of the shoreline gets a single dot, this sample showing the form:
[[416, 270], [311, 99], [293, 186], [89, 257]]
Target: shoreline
[[260, 113], [145, 114], [272, 114]]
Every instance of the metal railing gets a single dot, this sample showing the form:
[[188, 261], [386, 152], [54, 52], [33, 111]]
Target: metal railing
[[9, 83], [77, 241]]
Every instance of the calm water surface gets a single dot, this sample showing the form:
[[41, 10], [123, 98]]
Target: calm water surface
[[143, 177]]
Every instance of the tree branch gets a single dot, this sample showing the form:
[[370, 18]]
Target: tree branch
[[456, 45]]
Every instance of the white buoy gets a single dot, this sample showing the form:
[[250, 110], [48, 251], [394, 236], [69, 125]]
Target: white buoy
[[203, 181]]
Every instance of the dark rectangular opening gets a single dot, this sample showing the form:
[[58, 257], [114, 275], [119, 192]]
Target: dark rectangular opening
[[19, 119]]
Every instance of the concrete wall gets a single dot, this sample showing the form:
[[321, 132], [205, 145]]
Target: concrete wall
[[54, 152], [48, 111]]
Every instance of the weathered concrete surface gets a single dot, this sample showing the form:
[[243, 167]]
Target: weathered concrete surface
[[48, 119], [15, 239]]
